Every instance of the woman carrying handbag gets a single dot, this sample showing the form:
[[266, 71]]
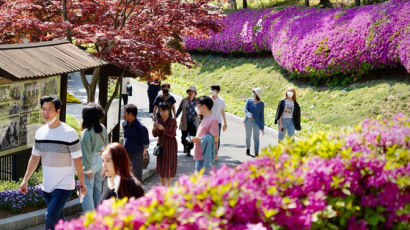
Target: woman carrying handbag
[[93, 140], [165, 129]]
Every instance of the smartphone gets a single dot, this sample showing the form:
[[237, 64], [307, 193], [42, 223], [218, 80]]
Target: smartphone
[[189, 138], [79, 193]]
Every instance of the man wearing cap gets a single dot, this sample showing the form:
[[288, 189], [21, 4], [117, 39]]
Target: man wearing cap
[[254, 119], [189, 119], [218, 110]]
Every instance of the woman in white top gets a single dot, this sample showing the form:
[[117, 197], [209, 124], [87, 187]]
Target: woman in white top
[[288, 115]]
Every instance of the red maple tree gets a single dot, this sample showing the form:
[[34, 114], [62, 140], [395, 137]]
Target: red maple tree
[[138, 35]]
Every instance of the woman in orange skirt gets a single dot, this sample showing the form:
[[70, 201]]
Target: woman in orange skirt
[[165, 129]]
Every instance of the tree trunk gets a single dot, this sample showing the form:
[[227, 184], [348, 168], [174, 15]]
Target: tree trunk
[[91, 87], [325, 3], [244, 4], [306, 2], [357, 2], [232, 4], [65, 19]]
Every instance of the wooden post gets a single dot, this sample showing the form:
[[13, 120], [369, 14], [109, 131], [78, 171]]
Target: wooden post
[[116, 130], [63, 97], [103, 90]]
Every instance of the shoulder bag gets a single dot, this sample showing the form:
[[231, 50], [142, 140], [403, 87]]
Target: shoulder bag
[[158, 150]]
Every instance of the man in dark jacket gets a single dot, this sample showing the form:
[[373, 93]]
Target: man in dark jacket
[[136, 139]]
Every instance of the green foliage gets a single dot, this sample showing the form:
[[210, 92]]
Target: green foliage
[[35, 179], [323, 108], [73, 122], [72, 99]]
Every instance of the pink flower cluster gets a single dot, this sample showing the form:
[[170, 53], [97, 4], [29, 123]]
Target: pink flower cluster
[[319, 42], [354, 180]]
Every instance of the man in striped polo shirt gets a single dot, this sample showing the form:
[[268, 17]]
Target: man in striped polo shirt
[[58, 147]]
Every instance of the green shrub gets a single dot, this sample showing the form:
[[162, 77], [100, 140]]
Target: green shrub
[[73, 122], [36, 179]]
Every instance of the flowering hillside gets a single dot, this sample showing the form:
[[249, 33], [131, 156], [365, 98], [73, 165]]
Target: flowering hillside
[[358, 179], [319, 42]]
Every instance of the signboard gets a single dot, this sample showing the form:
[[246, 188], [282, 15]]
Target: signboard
[[112, 115], [20, 112]]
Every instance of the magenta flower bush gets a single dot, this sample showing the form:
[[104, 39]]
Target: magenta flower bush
[[358, 179], [319, 42]]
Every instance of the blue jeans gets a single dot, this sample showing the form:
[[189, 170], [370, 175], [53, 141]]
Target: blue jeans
[[199, 164], [219, 137], [94, 185], [55, 205], [288, 127], [250, 125]]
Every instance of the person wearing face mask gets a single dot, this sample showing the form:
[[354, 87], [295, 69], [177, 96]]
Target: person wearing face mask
[[218, 110], [162, 98], [119, 182], [166, 130], [254, 120], [189, 119], [206, 140], [288, 115], [58, 147]]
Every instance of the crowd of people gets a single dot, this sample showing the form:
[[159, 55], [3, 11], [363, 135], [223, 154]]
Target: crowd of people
[[107, 170]]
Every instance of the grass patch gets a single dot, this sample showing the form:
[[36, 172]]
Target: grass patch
[[73, 122], [111, 87], [322, 108], [35, 179]]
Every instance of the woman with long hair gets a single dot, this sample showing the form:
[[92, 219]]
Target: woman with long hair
[[118, 181], [93, 139], [288, 115], [166, 130]]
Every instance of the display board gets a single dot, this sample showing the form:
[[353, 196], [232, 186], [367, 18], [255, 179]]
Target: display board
[[112, 115], [20, 112]]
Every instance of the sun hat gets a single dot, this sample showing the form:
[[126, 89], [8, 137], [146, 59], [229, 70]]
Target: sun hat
[[258, 92], [191, 88]]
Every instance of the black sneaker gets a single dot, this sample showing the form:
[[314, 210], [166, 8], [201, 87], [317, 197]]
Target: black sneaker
[[256, 154], [248, 152]]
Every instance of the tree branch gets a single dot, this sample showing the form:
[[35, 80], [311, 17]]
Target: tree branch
[[85, 82], [93, 83], [117, 88], [116, 16]]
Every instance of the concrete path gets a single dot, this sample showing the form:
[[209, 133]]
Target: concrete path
[[232, 151]]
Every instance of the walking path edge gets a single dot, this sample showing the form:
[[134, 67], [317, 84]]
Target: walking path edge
[[32, 219]]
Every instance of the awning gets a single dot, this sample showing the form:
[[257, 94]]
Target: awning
[[44, 59]]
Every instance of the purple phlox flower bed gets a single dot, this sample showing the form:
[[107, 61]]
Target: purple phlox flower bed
[[319, 42], [14, 201]]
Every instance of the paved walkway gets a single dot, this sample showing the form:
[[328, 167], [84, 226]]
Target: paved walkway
[[232, 150]]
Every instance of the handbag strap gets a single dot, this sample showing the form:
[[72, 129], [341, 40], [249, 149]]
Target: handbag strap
[[102, 138]]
